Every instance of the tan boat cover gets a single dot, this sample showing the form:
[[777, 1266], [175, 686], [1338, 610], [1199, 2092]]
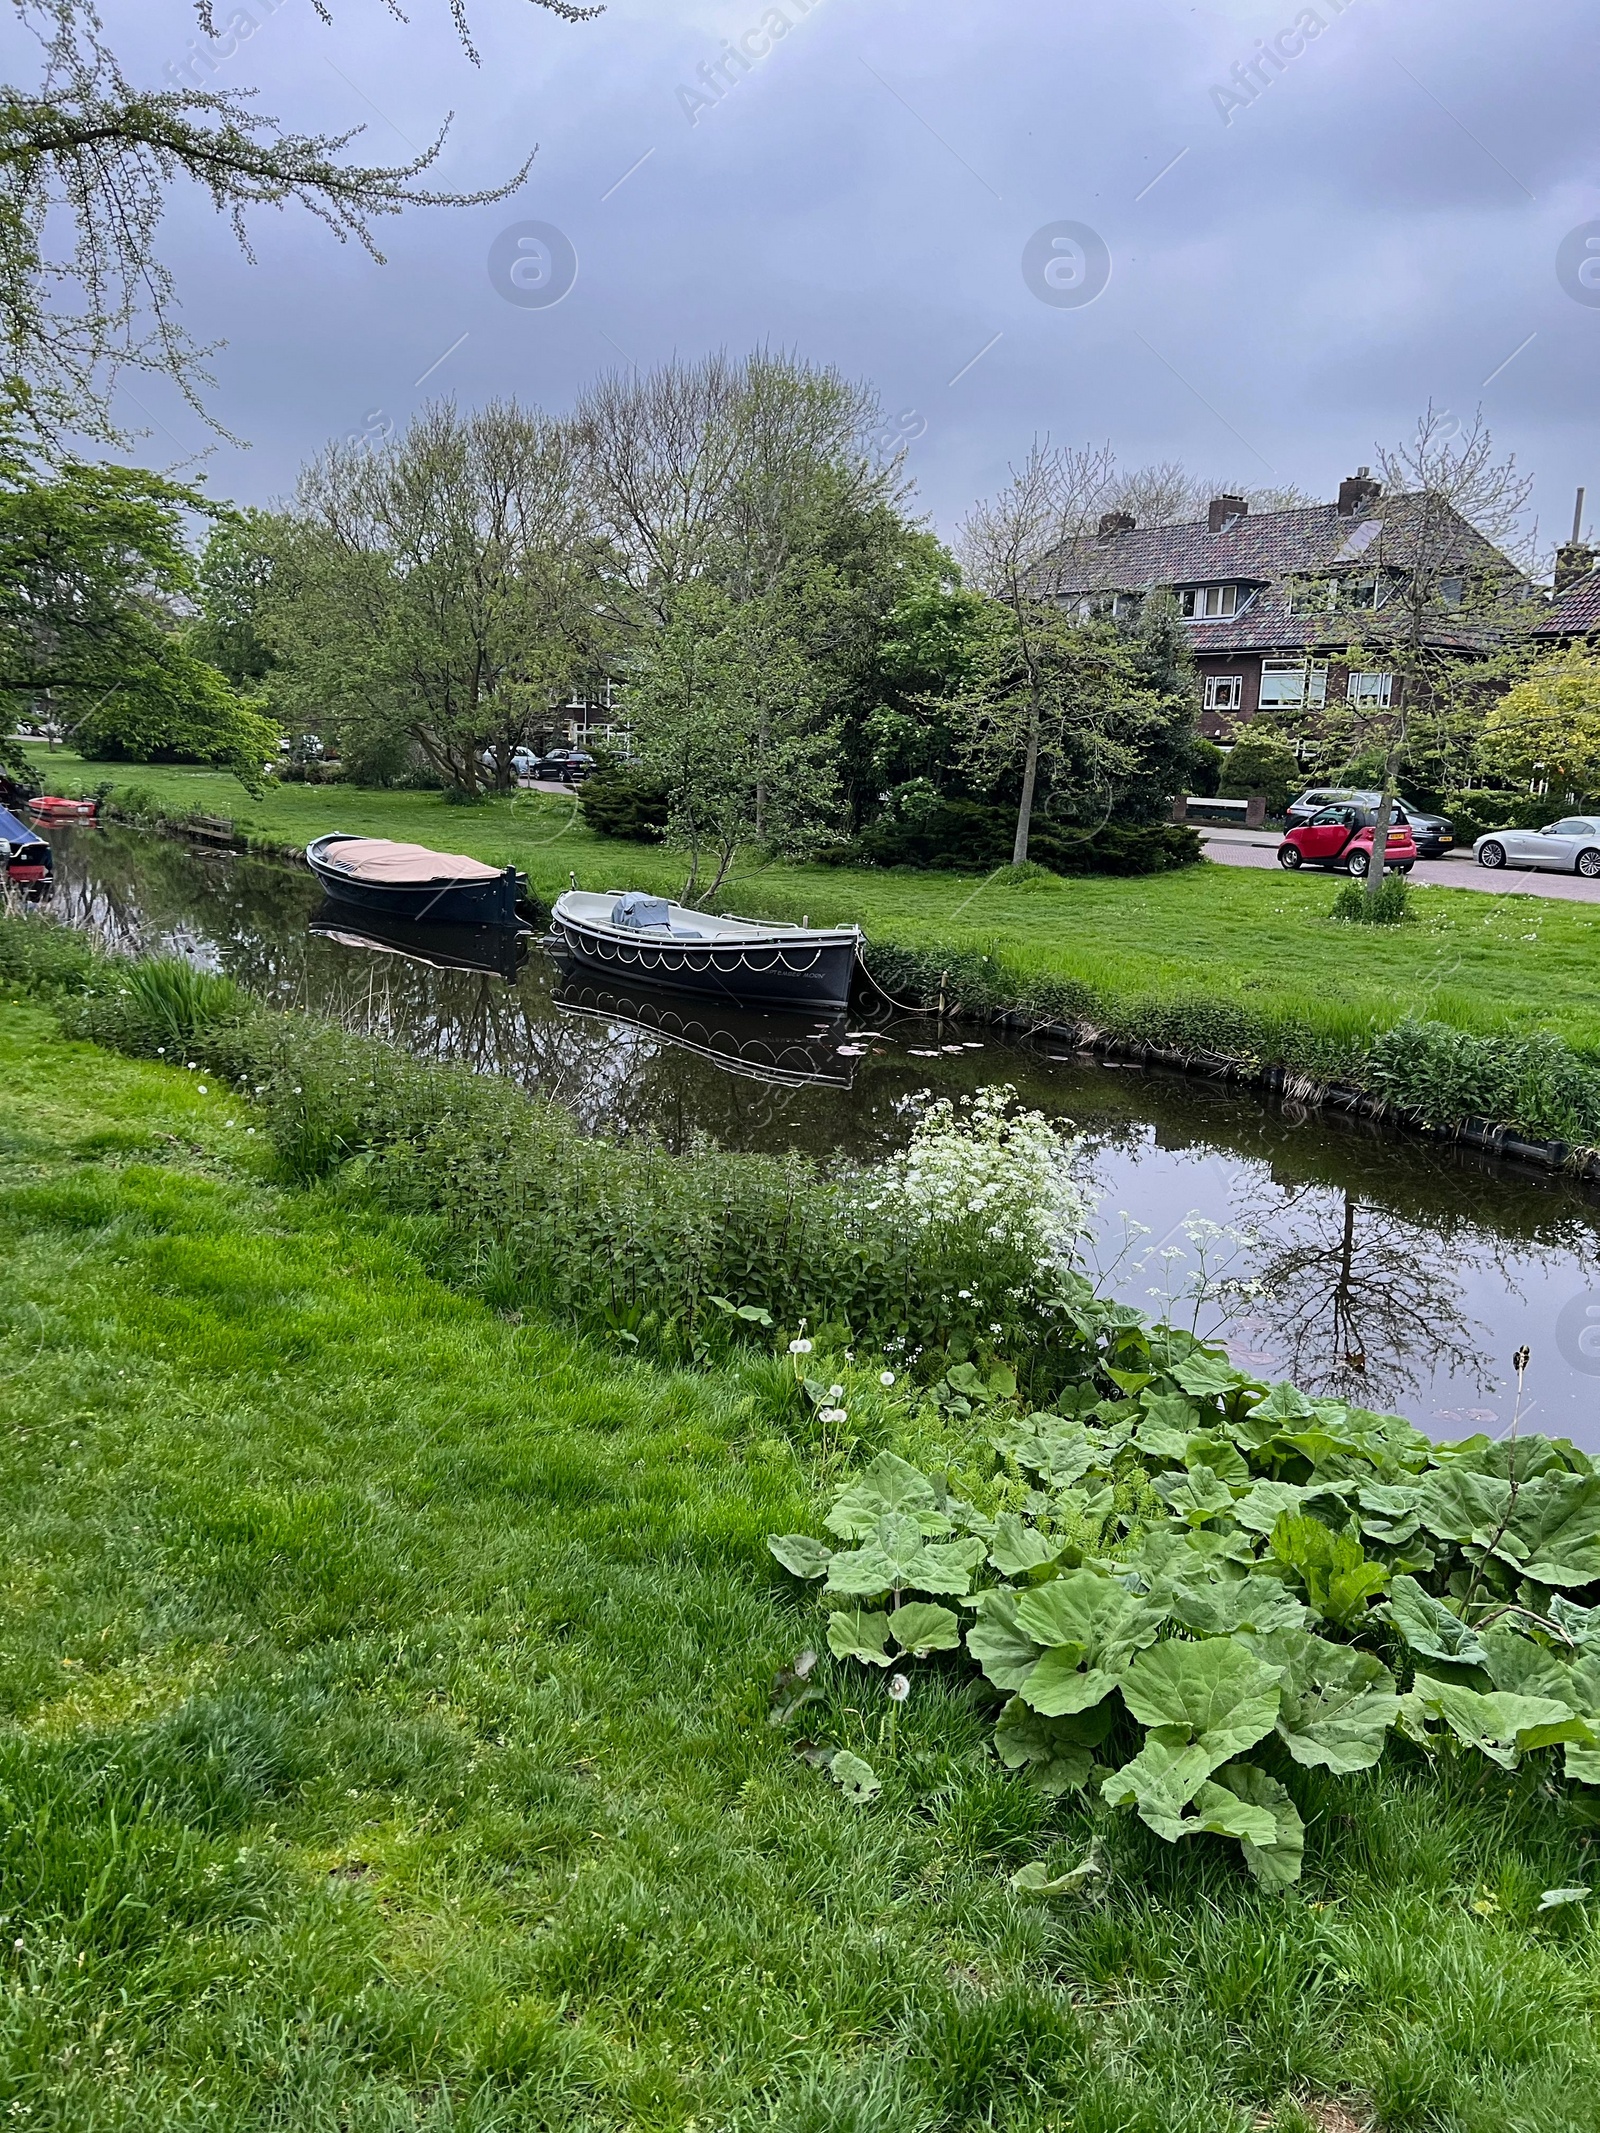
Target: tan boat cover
[[379, 859]]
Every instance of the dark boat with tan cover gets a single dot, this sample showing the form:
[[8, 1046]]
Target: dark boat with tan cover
[[409, 881]]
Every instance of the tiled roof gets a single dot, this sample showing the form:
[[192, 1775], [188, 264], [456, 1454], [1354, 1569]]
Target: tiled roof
[[1264, 548], [1576, 612]]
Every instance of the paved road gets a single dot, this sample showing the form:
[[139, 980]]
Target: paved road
[[1259, 848]]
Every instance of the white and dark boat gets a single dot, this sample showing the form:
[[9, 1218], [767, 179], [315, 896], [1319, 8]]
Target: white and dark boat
[[411, 882], [632, 938]]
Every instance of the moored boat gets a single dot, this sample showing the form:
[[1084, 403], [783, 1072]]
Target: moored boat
[[632, 938], [410, 881], [51, 807], [27, 860]]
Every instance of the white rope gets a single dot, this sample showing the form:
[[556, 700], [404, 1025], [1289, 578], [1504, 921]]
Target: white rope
[[651, 957]]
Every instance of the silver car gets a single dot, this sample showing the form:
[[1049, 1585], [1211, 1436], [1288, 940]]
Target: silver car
[[1570, 846]]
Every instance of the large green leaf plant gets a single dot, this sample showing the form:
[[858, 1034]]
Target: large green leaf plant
[[1182, 1584]]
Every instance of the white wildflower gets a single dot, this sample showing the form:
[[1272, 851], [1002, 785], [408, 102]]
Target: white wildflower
[[886, 1378], [835, 1392], [833, 1414]]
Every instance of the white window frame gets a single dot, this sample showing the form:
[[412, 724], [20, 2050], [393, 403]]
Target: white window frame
[[1224, 692], [1369, 691], [1310, 679], [1200, 599]]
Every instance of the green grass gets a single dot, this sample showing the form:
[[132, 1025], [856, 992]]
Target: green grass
[[1260, 941], [384, 1746]]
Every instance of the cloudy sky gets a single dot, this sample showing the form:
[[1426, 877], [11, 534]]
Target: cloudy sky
[[1279, 271]]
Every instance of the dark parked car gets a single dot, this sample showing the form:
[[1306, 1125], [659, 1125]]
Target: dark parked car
[[1433, 835], [571, 765]]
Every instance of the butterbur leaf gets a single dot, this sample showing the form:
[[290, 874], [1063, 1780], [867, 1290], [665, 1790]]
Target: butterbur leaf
[[1276, 1864], [1556, 1529], [1053, 1752], [800, 1554], [1097, 1616], [947, 1566], [1220, 1607], [1060, 1685], [857, 1780], [920, 1628], [1006, 1654], [1157, 1441], [1429, 1628], [1211, 1448], [1162, 1779], [1338, 1578], [1169, 1411], [1551, 1900], [860, 1573], [1036, 1879], [1208, 1376], [1501, 1726], [1015, 1548], [1581, 1625], [1216, 1694], [1583, 1765], [1284, 1403], [1260, 1508], [1337, 1703], [1463, 1506], [1524, 1668], [1195, 1495], [889, 1484], [854, 1634]]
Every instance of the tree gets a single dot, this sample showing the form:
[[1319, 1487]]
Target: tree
[[234, 576], [1261, 762], [96, 583], [1547, 727], [1434, 600], [86, 155], [1005, 543], [441, 594], [731, 471], [722, 717]]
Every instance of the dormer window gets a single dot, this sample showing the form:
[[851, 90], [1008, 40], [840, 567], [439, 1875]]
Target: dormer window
[[1206, 603]]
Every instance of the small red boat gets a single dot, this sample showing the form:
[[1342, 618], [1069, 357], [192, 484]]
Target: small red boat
[[24, 858], [55, 809]]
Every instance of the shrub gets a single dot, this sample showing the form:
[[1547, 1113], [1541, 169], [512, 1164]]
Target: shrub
[[1206, 761], [1388, 905], [975, 836], [1261, 763], [624, 803], [1181, 1592], [164, 1006], [1474, 814]]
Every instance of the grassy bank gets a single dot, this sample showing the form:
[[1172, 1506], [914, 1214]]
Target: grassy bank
[[384, 1747], [1210, 958]]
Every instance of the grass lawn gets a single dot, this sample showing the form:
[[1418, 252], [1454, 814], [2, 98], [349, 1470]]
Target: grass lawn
[[384, 1747], [1233, 934]]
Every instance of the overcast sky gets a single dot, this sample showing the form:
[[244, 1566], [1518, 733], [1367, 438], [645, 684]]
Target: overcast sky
[[1295, 265]]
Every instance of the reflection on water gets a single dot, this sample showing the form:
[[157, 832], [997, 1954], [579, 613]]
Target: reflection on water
[[1393, 1272]]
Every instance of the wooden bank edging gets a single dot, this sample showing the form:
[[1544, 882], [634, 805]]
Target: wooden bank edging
[[1567, 1156]]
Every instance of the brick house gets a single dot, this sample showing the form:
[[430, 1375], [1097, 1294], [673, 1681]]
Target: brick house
[[1261, 593]]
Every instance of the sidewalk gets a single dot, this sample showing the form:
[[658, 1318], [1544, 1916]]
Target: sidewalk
[[1259, 848]]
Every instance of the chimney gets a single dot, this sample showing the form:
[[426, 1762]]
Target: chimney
[[1223, 511], [1573, 562], [1358, 492], [1114, 522]]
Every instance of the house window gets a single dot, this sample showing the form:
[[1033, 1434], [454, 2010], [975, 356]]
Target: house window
[[1224, 692], [1293, 684], [1204, 603], [1370, 691], [1365, 592]]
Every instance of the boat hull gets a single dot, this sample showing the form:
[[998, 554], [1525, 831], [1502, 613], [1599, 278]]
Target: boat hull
[[796, 970], [443, 903]]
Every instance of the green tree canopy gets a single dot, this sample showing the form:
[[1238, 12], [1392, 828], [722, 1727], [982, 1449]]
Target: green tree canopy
[[1547, 727]]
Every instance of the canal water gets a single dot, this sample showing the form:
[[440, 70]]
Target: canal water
[[1391, 1271]]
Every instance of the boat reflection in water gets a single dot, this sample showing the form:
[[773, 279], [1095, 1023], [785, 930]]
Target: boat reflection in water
[[495, 951], [784, 1050]]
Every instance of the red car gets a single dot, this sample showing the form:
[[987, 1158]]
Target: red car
[[1342, 837]]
